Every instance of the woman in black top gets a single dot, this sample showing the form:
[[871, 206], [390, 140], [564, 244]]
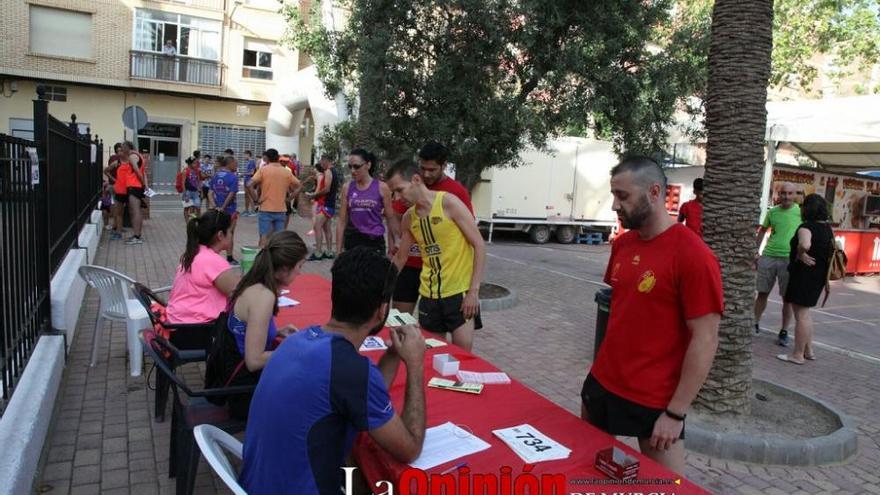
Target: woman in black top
[[808, 268]]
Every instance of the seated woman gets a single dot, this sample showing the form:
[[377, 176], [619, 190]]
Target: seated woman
[[204, 278], [252, 310]]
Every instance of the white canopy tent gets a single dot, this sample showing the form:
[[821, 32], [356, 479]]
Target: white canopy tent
[[840, 134]]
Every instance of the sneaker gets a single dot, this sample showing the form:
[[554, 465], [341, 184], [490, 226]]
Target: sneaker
[[108, 227], [782, 340], [315, 257], [133, 240], [328, 256], [115, 236]]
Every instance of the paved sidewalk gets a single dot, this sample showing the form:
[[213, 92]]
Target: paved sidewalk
[[104, 439]]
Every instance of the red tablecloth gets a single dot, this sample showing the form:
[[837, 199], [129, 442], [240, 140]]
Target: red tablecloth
[[498, 406]]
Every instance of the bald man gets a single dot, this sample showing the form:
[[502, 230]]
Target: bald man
[[782, 221]]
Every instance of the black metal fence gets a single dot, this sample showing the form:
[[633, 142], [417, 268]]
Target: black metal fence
[[43, 206]]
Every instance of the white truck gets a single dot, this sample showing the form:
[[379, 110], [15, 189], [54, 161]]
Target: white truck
[[560, 193]]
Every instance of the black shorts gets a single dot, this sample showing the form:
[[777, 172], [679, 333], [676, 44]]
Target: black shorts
[[444, 315], [120, 198], [137, 192], [352, 238], [407, 288], [615, 415]]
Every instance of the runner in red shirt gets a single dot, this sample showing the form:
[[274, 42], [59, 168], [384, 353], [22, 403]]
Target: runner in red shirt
[[691, 213], [432, 164], [663, 325]]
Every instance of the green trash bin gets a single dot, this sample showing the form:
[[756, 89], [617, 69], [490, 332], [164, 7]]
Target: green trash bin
[[248, 255]]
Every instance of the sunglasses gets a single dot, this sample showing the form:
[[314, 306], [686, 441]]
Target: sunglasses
[[355, 166]]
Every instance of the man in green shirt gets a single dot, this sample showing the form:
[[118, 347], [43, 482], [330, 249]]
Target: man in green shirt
[[772, 264]]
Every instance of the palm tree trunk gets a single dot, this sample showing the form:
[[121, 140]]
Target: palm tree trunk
[[736, 119]]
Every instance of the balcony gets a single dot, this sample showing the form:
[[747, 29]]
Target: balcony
[[202, 4], [188, 70]]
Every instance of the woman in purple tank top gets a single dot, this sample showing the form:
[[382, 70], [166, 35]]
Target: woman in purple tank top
[[365, 201]]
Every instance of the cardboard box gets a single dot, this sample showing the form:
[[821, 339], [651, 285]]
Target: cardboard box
[[615, 463]]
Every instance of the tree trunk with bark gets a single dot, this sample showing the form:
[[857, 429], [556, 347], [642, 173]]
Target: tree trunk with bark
[[736, 119]]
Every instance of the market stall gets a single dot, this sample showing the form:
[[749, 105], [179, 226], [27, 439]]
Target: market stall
[[842, 135]]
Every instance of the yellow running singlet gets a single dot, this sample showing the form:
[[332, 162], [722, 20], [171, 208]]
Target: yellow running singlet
[[447, 256]]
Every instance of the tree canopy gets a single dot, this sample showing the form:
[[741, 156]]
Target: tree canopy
[[490, 77]]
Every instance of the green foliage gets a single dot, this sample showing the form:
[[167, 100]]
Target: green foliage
[[491, 77], [846, 30], [335, 140]]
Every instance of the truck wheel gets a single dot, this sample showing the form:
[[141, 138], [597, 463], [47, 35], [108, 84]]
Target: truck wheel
[[539, 234], [565, 234]]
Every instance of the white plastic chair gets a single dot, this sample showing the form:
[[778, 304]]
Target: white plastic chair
[[214, 443], [118, 303]]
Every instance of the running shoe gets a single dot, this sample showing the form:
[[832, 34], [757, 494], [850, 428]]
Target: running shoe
[[134, 240]]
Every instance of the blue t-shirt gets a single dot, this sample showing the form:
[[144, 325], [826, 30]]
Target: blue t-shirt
[[314, 395], [224, 183], [250, 168]]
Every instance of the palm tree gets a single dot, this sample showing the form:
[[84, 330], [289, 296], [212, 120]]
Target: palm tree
[[736, 119]]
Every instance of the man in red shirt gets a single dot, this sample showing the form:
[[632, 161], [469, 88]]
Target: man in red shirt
[[663, 325], [691, 213], [432, 165]]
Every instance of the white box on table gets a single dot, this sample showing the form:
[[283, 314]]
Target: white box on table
[[445, 364]]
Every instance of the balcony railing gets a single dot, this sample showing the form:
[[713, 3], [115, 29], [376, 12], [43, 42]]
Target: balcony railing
[[205, 4], [159, 67]]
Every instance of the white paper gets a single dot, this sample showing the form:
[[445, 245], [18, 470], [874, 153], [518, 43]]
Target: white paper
[[445, 443], [149, 193], [285, 291], [532, 445], [475, 377], [398, 319], [431, 343], [373, 343], [284, 302], [35, 165]]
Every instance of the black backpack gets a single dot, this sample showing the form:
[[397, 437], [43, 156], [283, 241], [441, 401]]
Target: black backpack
[[224, 367]]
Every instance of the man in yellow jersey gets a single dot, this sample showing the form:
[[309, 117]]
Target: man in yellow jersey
[[453, 255]]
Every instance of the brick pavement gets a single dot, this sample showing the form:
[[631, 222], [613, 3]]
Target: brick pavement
[[104, 440]]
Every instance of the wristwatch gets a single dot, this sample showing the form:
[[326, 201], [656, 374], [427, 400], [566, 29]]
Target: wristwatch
[[677, 417]]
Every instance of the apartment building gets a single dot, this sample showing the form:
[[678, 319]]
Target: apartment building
[[203, 70]]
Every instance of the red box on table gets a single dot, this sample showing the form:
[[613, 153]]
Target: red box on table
[[615, 463]]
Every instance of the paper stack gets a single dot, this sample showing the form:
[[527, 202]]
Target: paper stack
[[488, 378], [445, 443], [532, 445], [398, 319], [469, 388]]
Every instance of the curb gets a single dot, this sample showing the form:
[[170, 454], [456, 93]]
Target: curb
[[500, 303], [835, 447]]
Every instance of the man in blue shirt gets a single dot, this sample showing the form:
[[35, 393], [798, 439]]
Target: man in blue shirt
[[317, 392], [223, 187]]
